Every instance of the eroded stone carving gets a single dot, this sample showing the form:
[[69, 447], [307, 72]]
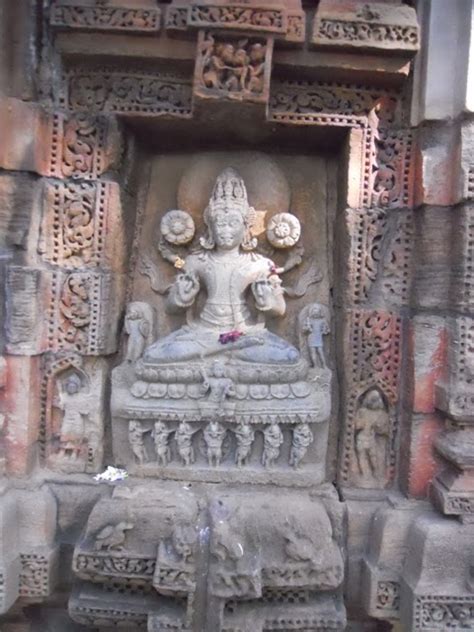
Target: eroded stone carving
[[112, 537], [104, 18], [372, 427], [223, 379], [139, 329], [233, 68]]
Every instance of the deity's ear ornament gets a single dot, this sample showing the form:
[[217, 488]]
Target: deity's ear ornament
[[283, 230]]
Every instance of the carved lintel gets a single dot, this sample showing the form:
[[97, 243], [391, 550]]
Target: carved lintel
[[113, 90], [67, 15], [378, 27], [236, 17]]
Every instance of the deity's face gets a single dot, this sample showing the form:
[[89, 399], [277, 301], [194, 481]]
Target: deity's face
[[227, 229], [72, 387], [218, 369], [374, 401]]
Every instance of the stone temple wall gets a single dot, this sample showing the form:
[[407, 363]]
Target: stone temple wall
[[236, 264]]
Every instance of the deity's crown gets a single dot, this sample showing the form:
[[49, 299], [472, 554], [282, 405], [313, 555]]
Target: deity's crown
[[229, 193]]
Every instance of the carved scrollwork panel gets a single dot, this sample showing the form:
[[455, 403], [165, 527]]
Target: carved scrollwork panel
[[112, 90], [104, 18]]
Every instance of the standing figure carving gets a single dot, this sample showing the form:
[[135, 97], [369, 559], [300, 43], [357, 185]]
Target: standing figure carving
[[217, 383], [226, 269], [316, 326], [184, 442], [75, 409], [245, 436], [372, 429], [302, 439], [138, 327], [214, 435], [272, 440], [161, 434], [136, 439]]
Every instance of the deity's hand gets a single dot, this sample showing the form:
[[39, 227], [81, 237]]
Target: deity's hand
[[186, 288], [269, 295]]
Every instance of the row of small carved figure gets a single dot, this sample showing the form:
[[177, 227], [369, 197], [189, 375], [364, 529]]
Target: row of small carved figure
[[213, 435]]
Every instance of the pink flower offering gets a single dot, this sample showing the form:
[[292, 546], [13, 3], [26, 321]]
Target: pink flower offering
[[230, 336]]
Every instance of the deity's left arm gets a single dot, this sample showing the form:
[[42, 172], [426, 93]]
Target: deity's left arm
[[268, 295]]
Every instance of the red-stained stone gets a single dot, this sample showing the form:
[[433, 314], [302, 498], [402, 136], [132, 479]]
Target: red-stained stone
[[424, 462], [429, 345]]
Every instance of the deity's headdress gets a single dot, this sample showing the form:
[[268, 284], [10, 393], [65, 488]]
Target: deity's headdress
[[229, 194]]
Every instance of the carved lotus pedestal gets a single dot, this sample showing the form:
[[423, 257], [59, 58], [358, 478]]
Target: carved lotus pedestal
[[211, 558], [295, 398]]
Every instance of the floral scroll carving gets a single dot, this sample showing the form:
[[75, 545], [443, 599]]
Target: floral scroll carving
[[104, 18], [112, 90]]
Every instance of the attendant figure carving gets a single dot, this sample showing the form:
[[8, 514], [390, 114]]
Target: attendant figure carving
[[316, 326], [138, 327], [302, 439], [245, 436], [184, 442], [74, 404], [273, 438], [214, 434], [217, 383], [136, 438], [372, 428], [161, 434]]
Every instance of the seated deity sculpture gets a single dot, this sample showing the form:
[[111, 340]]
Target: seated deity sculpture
[[228, 273]]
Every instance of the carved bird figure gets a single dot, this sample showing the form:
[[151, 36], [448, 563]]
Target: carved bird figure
[[112, 536]]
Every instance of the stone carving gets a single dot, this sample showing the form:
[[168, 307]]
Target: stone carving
[[233, 68], [34, 575], [222, 268], [112, 537], [161, 434], [75, 311], [316, 326], [443, 613], [104, 18], [237, 17], [74, 403], [340, 31], [273, 438], [283, 230], [301, 440], [372, 426], [177, 18], [177, 227], [218, 385], [22, 316], [112, 90], [136, 434], [305, 101], [139, 329], [245, 437], [224, 365], [184, 442], [214, 434], [391, 179], [388, 595]]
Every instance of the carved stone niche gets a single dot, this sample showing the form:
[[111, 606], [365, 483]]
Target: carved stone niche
[[209, 558], [240, 390]]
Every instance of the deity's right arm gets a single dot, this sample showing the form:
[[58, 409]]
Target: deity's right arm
[[185, 288]]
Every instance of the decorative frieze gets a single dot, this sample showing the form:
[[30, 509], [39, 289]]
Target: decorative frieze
[[81, 224], [79, 315], [82, 146], [373, 26], [390, 183], [433, 613], [306, 102], [236, 17], [157, 94], [66, 14]]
